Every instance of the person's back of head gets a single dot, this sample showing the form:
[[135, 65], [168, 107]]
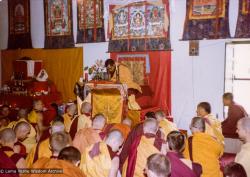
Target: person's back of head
[[7, 137], [22, 130], [70, 154], [203, 109], [150, 126], [234, 170], [58, 118], [58, 141], [114, 139], [127, 122], [71, 109], [57, 126], [228, 98], [99, 122], [150, 115], [22, 113], [86, 108], [197, 125], [176, 141], [160, 115], [158, 165]]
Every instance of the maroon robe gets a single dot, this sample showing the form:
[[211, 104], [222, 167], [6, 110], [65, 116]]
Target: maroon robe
[[6, 163], [22, 149], [179, 169], [15, 157], [133, 152], [136, 132], [235, 113]]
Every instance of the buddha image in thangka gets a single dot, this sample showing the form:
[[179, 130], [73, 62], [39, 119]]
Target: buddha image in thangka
[[121, 23], [58, 17], [156, 20], [137, 21], [88, 16], [19, 25]]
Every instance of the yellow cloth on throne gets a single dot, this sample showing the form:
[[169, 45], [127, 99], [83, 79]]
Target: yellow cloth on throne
[[108, 102], [99, 165], [126, 77]]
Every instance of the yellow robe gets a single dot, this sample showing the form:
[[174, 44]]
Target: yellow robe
[[206, 151], [100, 165], [167, 126], [243, 157], [32, 117], [83, 122], [126, 77], [214, 129], [144, 150], [43, 151], [67, 122], [67, 169], [30, 141]]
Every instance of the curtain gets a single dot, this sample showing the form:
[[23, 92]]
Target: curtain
[[64, 66], [159, 77], [243, 23]]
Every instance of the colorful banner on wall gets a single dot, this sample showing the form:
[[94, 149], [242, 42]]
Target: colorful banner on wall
[[58, 24], [142, 26], [90, 26], [243, 23], [206, 19], [19, 24]]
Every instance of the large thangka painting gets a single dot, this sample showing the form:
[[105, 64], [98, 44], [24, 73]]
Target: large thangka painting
[[90, 26], [142, 26], [206, 19], [19, 24], [243, 23], [58, 24]]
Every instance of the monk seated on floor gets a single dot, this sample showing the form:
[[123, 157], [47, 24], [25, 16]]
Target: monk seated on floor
[[101, 159], [69, 116], [64, 158], [141, 148], [180, 166], [81, 121], [158, 165], [203, 149], [7, 140], [42, 149], [22, 130], [89, 136]]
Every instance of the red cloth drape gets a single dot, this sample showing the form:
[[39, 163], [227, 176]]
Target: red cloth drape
[[159, 77]]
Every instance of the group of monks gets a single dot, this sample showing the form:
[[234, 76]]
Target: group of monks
[[76, 144], [79, 144]]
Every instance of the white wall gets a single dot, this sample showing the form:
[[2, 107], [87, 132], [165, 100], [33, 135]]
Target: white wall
[[194, 79]]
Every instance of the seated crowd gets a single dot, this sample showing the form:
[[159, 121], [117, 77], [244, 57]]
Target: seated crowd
[[82, 145]]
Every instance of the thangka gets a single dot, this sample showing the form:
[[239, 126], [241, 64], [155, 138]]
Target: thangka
[[142, 26], [19, 24], [90, 26], [58, 24], [206, 19], [243, 23]]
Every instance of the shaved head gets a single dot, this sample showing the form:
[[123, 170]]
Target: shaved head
[[22, 113], [114, 139], [150, 126], [22, 130], [160, 115], [243, 129], [86, 107], [70, 154], [7, 135], [197, 124], [127, 122], [57, 126], [99, 121], [58, 141]]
